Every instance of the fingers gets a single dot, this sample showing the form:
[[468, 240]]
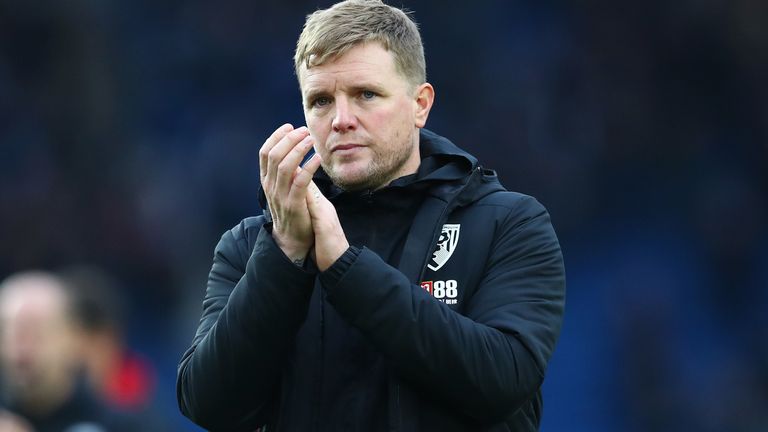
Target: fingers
[[273, 139], [313, 194], [275, 156], [318, 206], [304, 174], [330, 241], [288, 167], [274, 150]]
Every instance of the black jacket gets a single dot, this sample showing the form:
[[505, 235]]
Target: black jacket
[[441, 316]]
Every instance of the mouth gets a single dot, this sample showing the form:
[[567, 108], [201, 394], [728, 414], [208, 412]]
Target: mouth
[[346, 147]]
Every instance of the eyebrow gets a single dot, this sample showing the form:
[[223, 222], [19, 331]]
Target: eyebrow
[[368, 86], [313, 93]]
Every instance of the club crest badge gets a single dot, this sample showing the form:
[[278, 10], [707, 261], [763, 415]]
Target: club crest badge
[[446, 244]]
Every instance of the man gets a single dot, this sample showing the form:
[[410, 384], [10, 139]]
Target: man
[[121, 378], [336, 309], [39, 355]]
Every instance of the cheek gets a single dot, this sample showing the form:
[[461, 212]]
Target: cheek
[[391, 121]]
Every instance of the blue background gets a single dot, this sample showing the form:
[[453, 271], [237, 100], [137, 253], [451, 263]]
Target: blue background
[[129, 134]]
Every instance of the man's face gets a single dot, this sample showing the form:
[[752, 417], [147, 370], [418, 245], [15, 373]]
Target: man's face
[[37, 347], [364, 117]]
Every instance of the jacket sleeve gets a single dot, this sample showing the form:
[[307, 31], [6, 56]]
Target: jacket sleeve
[[488, 362], [254, 304]]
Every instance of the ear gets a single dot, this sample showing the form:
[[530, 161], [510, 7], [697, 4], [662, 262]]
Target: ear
[[425, 96]]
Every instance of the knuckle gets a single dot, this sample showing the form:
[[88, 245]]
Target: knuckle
[[296, 150], [284, 168], [276, 136], [273, 157], [301, 175]]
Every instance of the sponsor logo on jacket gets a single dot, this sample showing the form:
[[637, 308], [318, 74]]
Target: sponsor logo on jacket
[[445, 291]]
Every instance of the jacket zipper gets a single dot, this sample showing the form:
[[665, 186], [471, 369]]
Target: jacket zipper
[[443, 217], [435, 235]]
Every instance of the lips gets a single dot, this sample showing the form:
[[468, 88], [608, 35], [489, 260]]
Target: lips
[[343, 147]]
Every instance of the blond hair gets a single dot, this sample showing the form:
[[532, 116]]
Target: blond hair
[[329, 33]]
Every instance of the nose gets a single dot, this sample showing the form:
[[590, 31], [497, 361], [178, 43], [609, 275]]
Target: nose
[[345, 119]]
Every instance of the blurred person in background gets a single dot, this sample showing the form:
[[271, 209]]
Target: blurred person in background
[[121, 378], [401, 287], [40, 359]]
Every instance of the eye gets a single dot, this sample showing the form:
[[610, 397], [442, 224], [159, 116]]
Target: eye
[[367, 94], [321, 101]]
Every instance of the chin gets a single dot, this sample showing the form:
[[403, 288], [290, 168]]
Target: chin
[[350, 178], [350, 184]]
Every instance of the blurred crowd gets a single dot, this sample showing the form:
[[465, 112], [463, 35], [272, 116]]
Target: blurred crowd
[[64, 361], [129, 134]]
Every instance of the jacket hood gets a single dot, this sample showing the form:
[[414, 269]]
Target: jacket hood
[[441, 159], [463, 179]]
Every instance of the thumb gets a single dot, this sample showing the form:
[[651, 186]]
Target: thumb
[[315, 199], [314, 191], [321, 211]]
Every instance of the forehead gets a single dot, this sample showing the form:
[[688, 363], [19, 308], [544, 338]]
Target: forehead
[[367, 62], [32, 300]]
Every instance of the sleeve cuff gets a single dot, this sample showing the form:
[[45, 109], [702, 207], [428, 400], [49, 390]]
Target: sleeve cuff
[[333, 274]]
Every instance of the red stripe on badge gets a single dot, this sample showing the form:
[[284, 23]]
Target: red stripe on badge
[[427, 285]]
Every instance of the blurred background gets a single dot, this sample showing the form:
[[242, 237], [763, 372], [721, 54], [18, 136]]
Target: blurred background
[[129, 134]]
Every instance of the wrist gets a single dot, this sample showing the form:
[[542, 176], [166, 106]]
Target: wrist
[[332, 253], [295, 252]]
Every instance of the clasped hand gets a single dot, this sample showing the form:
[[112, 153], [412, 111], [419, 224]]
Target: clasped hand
[[303, 220]]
